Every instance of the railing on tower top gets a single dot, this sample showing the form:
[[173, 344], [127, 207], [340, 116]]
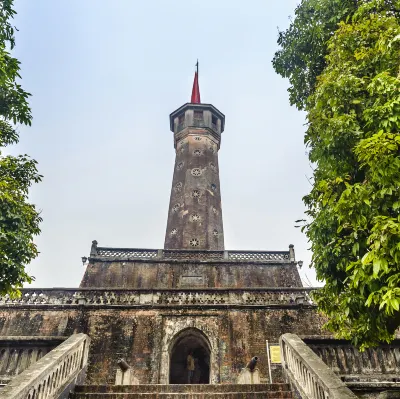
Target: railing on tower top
[[53, 374], [309, 375], [195, 255]]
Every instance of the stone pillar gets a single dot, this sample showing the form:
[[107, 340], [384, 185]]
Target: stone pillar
[[249, 377]]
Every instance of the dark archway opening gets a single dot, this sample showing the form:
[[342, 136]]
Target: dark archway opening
[[190, 341]]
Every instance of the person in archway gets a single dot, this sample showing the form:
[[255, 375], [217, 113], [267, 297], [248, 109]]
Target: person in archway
[[190, 364]]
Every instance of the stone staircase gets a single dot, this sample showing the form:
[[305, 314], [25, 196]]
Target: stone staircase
[[150, 391]]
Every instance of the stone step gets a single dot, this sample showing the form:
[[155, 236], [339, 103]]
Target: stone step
[[182, 388], [192, 395]]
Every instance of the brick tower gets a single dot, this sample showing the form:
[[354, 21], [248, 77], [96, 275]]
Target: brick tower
[[195, 214], [145, 310]]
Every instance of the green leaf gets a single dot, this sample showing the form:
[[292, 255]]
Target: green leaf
[[395, 304], [19, 219], [376, 267]]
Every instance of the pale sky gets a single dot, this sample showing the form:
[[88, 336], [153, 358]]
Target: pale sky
[[105, 75]]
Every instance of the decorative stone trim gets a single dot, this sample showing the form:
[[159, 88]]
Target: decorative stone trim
[[195, 217], [176, 207], [234, 256], [160, 298], [132, 253], [196, 172], [196, 193], [194, 242], [176, 254], [178, 187], [253, 255]]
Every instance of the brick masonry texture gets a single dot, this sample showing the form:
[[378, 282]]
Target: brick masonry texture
[[185, 391], [195, 213], [137, 335], [195, 205], [182, 274]]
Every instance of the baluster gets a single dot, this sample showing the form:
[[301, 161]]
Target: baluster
[[396, 354], [48, 386], [389, 363], [308, 381]]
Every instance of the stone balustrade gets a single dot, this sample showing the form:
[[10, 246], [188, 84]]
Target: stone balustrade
[[308, 374], [381, 363], [160, 298], [52, 375], [109, 254], [18, 353]]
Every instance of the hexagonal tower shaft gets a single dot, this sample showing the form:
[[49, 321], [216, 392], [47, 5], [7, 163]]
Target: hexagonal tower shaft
[[195, 213]]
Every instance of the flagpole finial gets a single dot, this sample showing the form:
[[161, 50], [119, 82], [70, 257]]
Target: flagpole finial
[[195, 99]]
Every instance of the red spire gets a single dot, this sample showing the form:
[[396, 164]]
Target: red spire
[[196, 90]]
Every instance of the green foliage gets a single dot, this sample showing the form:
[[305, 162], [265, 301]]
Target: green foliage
[[354, 206], [19, 220], [303, 46]]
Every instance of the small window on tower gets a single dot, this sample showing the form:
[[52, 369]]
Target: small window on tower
[[181, 122], [214, 120], [198, 115]]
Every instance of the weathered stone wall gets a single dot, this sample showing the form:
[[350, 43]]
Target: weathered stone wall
[[195, 274], [141, 336]]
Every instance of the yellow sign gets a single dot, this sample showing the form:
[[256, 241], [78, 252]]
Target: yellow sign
[[275, 352]]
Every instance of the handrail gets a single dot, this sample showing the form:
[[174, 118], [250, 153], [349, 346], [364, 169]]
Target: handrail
[[53, 373], [17, 353], [104, 253], [348, 362], [309, 375]]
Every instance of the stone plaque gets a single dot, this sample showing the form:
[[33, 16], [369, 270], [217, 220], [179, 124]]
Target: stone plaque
[[191, 281]]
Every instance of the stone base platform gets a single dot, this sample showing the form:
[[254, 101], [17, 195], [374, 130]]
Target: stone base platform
[[150, 391]]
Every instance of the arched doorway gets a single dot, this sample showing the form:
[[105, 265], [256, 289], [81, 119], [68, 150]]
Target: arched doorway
[[190, 341]]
